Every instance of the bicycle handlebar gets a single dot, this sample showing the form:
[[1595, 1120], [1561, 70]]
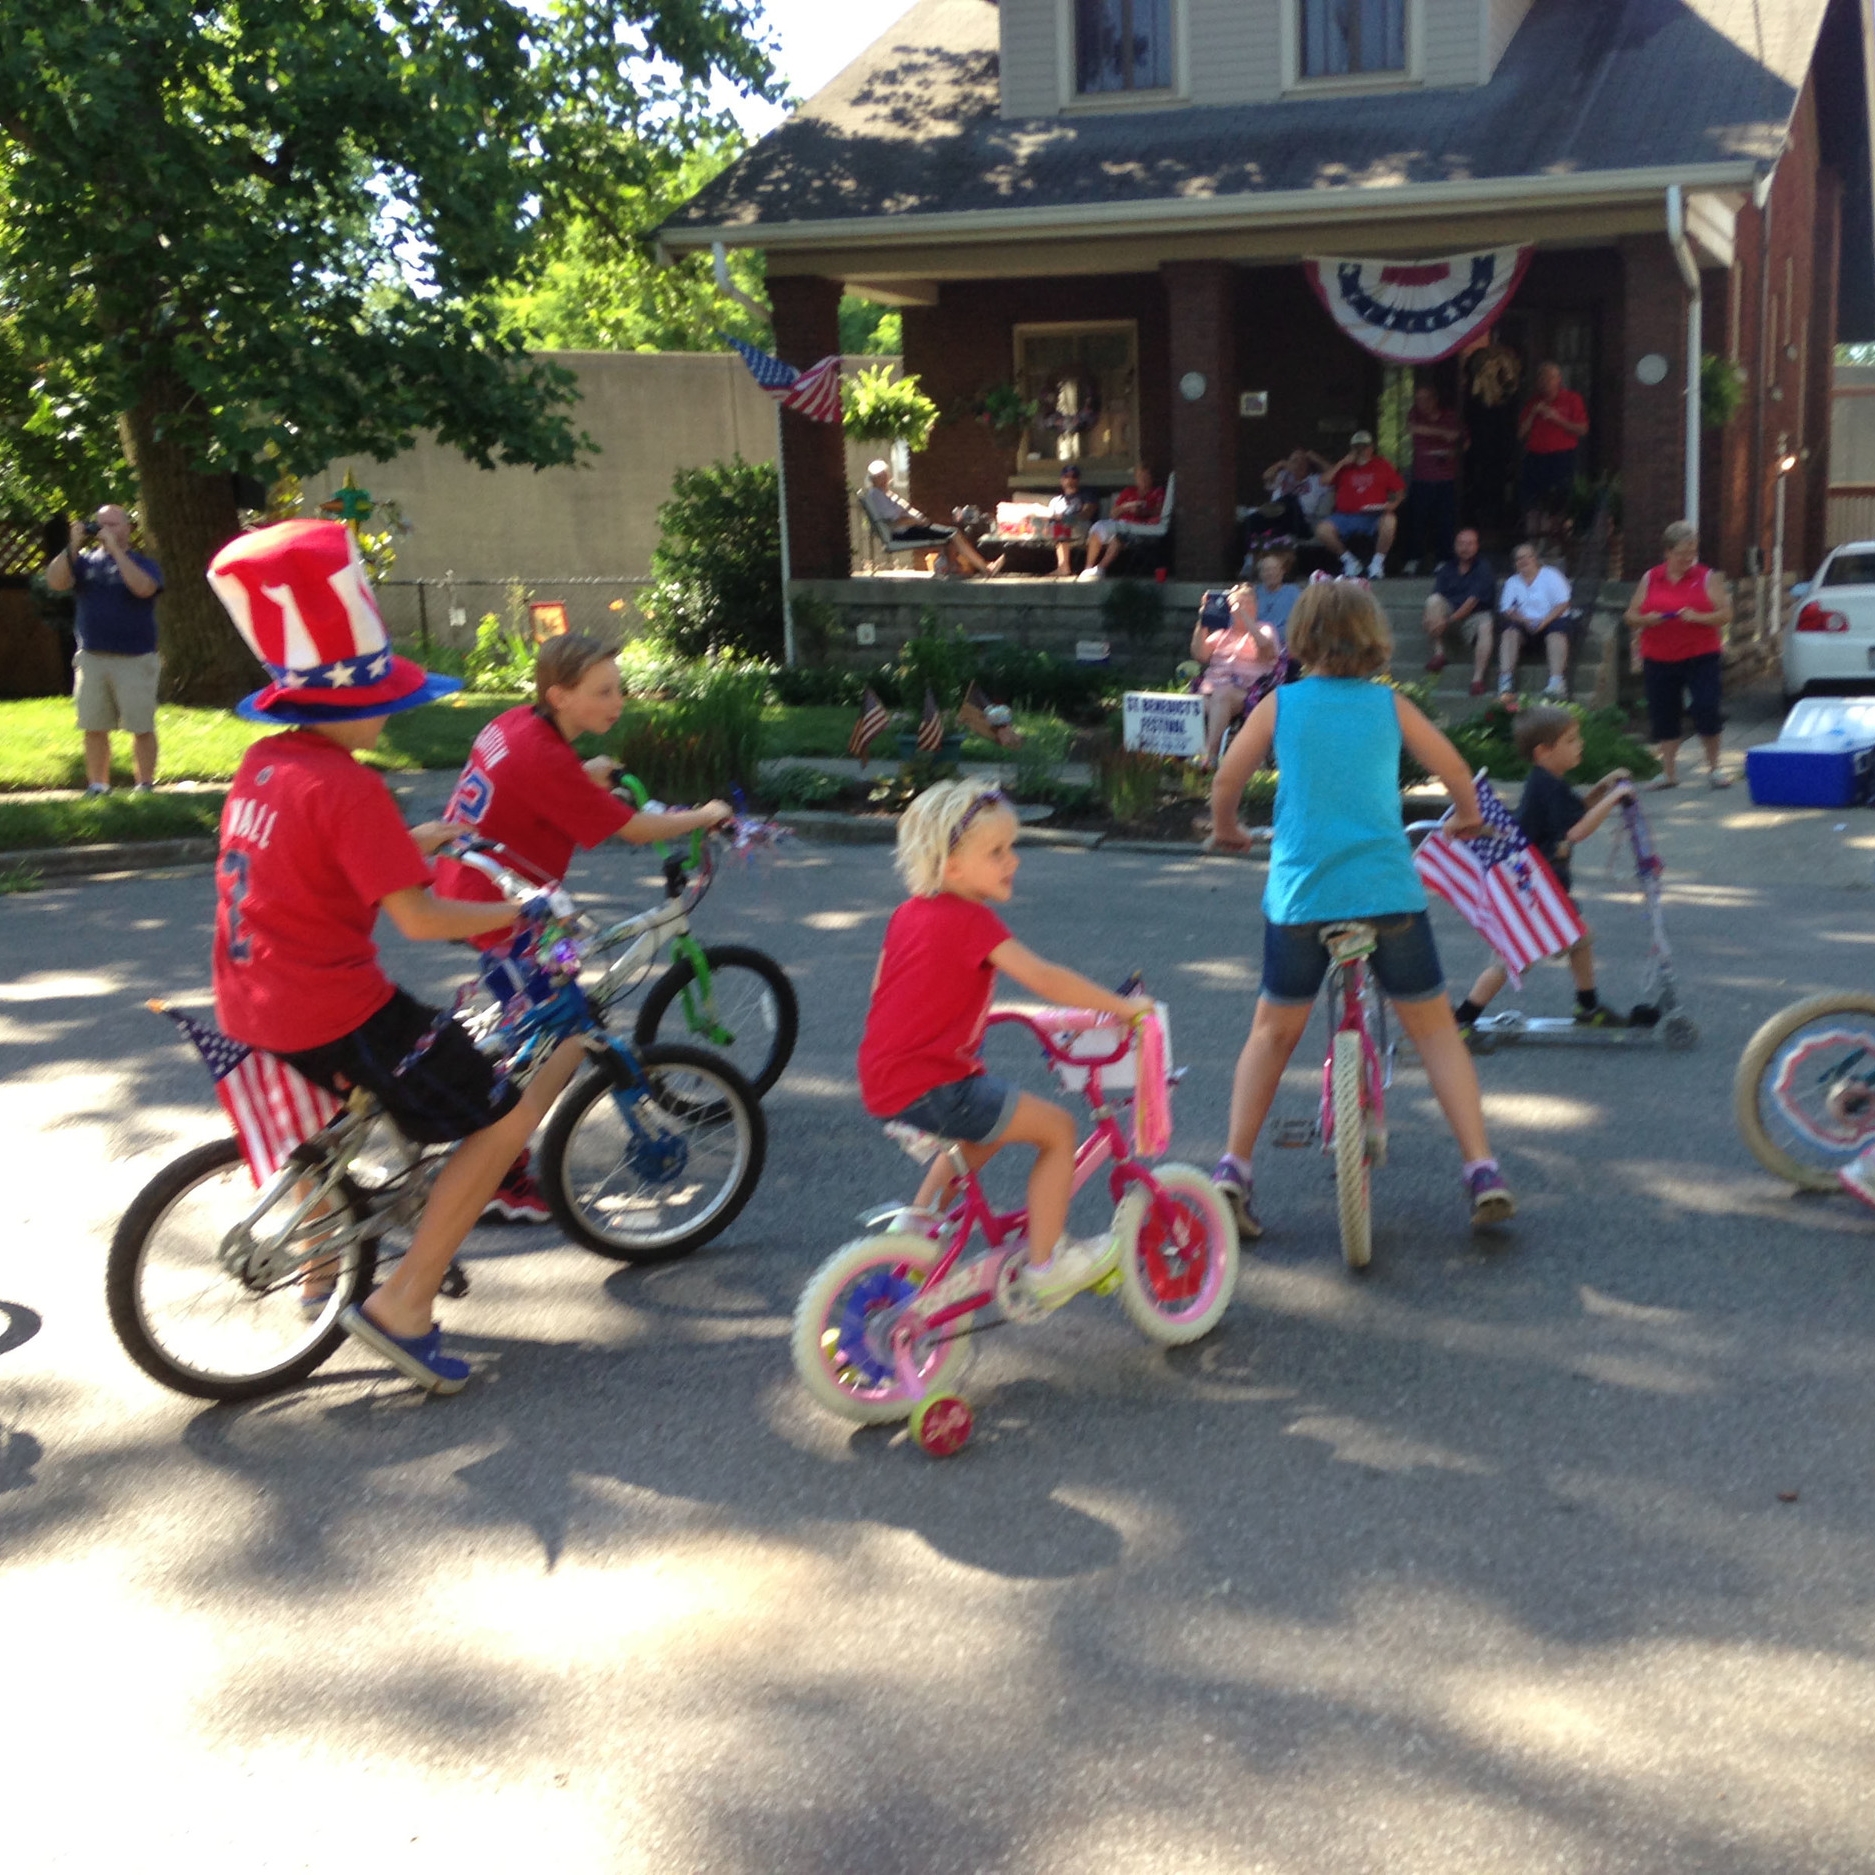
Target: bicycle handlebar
[[1057, 1055]]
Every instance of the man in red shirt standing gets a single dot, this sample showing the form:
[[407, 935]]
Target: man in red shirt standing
[[312, 847], [1438, 436], [1368, 493], [1553, 423]]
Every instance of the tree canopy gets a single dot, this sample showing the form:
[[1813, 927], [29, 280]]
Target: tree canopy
[[257, 234]]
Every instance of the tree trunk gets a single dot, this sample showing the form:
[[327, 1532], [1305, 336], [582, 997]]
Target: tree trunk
[[187, 515]]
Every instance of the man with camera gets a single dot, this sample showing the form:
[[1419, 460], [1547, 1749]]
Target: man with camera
[[117, 664]]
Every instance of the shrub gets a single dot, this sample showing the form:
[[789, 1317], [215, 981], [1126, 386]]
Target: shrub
[[717, 569], [1129, 782], [796, 786], [1038, 680], [880, 406], [648, 667], [706, 741], [804, 685], [1485, 741], [943, 662], [1042, 748], [1134, 609], [499, 661]]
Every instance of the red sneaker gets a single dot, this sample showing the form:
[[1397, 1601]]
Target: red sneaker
[[1477, 686], [517, 1199], [1436, 662]]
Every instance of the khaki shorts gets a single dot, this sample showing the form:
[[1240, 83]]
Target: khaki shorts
[[116, 692], [1439, 612]]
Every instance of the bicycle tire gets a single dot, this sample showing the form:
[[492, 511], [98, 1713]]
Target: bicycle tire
[[1170, 1294], [1748, 1084], [772, 1004], [1353, 1175], [855, 1382], [706, 1096], [128, 1267]]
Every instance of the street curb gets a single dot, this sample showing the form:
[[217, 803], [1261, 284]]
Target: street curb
[[77, 862], [816, 823]]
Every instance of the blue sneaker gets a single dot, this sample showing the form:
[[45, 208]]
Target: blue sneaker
[[1491, 1202], [421, 1357], [1238, 1194]]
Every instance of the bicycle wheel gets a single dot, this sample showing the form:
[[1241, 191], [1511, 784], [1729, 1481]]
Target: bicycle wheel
[[750, 998], [1804, 1093], [842, 1328], [188, 1321], [1353, 1175], [645, 1173], [1176, 1280]]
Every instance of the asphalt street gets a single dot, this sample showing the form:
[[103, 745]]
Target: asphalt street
[[1550, 1556]]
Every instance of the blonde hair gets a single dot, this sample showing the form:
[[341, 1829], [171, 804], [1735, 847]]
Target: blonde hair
[[929, 829], [1338, 627], [564, 660]]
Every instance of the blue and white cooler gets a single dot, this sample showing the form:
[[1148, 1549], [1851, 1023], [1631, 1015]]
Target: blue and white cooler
[[1824, 756]]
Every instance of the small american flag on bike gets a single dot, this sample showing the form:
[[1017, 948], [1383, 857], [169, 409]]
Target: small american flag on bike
[[1501, 886], [813, 393], [274, 1107], [873, 717], [930, 726]]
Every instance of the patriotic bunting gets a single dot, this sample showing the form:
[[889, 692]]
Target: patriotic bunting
[[1417, 312]]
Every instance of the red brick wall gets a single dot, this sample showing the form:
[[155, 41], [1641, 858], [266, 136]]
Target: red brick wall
[[1653, 416], [807, 328], [1202, 337], [967, 341]]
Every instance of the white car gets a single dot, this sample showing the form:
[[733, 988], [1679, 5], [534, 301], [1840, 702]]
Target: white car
[[1829, 639]]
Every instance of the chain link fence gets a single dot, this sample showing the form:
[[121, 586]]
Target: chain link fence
[[429, 613]]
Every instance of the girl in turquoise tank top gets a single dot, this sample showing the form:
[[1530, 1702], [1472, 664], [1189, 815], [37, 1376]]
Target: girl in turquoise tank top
[[1340, 852]]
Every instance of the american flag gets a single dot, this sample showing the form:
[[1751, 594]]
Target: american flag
[[1501, 886], [273, 1106], [872, 719], [930, 726], [813, 393]]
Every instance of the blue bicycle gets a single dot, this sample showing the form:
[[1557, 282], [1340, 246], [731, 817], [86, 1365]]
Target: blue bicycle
[[223, 1292]]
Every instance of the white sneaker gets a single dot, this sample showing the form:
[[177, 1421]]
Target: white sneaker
[[1077, 1262], [1377, 567], [1857, 1178], [1350, 566], [1556, 687], [1089, 572], [97, 787]]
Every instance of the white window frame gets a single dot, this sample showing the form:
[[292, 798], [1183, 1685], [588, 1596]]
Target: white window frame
[[1046, 473], [1295, 83], [1178, 92]]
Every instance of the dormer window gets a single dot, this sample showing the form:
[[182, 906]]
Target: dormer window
[[1122, 45], [1350, 38]]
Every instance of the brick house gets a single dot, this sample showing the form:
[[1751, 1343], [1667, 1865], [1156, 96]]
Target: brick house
[[1119, 196]]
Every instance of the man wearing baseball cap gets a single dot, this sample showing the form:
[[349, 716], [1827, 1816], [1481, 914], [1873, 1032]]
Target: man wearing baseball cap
[[1368, 493], [312, 848]]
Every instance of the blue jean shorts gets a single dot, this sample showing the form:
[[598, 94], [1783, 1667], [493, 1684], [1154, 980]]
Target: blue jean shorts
[[1405, 961], [976, 1109]]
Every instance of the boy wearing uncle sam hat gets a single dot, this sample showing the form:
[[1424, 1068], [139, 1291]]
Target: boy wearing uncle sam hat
[[312, 847]]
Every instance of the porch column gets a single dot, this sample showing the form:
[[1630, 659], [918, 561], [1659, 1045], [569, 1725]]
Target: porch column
[[807, 328], [1200, 299], [1653, 416]]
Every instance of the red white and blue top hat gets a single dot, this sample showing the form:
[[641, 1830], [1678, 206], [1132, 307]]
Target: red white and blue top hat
[[297, 593]]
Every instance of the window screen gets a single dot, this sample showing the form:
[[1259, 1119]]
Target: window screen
[[1346, 37], [1122, 45]]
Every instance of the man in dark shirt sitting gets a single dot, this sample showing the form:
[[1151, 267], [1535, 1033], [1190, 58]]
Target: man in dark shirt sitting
[[1463, 592], [117, 666]]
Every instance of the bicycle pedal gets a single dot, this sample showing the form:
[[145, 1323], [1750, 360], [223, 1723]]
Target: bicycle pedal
[[1294, 1133]]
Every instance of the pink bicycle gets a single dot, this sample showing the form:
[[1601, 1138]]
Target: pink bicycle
[[883, 1331]]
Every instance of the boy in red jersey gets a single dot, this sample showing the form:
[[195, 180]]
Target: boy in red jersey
[[312, 846], [525, 787]]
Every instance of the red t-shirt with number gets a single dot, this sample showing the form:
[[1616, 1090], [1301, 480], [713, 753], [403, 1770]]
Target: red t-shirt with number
[[523, 786], [930, 1002], [311, 844], [1360, 486]]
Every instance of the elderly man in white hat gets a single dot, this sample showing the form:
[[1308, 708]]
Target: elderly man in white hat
[[955, 551], [312, 849]]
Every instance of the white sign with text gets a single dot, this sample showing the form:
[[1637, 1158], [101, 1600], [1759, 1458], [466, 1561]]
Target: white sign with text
[[1164, 723]]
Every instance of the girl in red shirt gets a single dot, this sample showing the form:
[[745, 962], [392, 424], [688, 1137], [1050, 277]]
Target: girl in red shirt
[[919, 1059]]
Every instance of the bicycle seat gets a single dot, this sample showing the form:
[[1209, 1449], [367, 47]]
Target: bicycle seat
[[922, 1146], [1350, 942]]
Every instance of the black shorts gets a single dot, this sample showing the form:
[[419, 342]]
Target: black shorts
[[1666, 682], [450, 1090], [1552, 472]]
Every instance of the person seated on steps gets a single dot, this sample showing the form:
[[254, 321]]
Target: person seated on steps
[[1556, 820], [1534, 604], [1368, 493], [1464, 591]]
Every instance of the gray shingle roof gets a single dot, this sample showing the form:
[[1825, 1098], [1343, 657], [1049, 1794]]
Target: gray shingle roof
[[911, 127]]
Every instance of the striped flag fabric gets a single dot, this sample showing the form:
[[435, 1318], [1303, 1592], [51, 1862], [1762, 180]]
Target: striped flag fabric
[[273, 1106], [1501, 886], [872, 719], [930, 726], [813, 393]]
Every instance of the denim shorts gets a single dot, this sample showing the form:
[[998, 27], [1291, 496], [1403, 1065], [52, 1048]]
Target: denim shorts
[[976, 1109], [1357, 526], [1405, 961]]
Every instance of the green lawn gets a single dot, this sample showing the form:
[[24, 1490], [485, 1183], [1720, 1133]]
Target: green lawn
[[30, 824]]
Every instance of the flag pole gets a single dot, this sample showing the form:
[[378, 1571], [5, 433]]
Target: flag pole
[[726, 285]]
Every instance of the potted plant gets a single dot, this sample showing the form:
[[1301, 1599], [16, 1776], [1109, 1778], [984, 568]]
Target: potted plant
[[1003, 409], [881, 407]]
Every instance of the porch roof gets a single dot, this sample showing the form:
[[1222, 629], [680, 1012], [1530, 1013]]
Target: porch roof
[[1593, 98]]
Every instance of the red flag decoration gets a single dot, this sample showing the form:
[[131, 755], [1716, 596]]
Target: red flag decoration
[[813, 393], [1416, 312], [872, 719], [1501, 886], [273, 1107], [930, 727]]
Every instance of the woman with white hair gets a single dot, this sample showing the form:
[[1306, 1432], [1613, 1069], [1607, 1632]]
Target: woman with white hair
[[1679, 612]]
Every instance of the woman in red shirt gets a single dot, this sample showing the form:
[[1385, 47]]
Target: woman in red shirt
[[1678, 615], [1138, 506]]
